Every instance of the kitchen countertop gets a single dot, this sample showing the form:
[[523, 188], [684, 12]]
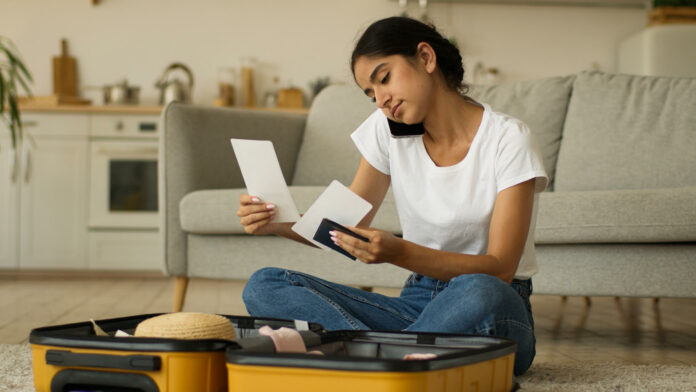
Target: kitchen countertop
[[129, 109]]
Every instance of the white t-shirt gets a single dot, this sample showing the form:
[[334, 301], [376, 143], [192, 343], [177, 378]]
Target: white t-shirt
[[450, 208]]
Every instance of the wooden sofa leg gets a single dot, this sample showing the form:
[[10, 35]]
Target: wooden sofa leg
[[369, 289], [180, 285]]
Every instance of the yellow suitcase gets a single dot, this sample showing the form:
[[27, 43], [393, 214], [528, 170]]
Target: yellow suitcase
[[72, 358], [369, 361]]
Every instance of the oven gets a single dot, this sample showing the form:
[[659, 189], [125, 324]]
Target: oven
[[123, 230], [123, 184]]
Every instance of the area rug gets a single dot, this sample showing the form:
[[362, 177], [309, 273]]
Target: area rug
[[16, 375]]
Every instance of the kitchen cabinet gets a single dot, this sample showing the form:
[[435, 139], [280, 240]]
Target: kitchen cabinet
[[70, 199], [9, 206], [660, 50], [44, 194]]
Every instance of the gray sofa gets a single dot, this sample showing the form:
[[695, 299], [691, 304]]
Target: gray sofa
[[618, 219]]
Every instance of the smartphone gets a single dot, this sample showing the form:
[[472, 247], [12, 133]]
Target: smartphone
[[405, 130], [322, 235]]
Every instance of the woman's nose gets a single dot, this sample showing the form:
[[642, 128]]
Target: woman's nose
[[382, 98]]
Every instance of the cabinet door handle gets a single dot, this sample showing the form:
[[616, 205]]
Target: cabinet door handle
[[27, 165], [130, 152], [13, 165]]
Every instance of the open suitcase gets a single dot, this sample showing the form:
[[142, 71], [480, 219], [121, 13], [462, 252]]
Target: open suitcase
[[72, 358], [362, 361]]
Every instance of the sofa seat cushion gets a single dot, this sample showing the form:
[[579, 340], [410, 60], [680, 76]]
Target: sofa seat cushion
[[618, 216], [215, 211]]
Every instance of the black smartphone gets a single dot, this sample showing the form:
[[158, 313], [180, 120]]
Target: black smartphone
[[322, 235], [405, 130]]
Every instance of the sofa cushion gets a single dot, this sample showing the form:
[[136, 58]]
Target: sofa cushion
[[215, 211], [327, 152], [541, 104], [618, 216], [628, 132]]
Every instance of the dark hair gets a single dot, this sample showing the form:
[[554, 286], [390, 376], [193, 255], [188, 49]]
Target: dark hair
[[401, 35]]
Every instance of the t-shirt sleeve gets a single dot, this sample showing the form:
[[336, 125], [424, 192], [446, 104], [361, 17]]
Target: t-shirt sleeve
[[372, 140], [518, 160]]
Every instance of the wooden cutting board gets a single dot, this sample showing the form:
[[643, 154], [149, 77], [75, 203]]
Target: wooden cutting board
[[64, 72]]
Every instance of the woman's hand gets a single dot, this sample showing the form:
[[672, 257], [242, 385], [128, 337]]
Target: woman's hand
[[383, 247], [256, 215]]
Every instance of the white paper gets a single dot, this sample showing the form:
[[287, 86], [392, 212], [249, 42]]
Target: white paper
[[264, 178], [337, 203]]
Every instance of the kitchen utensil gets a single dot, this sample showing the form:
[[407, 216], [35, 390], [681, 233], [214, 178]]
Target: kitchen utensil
[[174, 89], [248, 87], [64, 72], [121, 94], [290, 98]]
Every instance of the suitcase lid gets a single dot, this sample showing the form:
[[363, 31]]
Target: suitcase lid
[[81, 335]]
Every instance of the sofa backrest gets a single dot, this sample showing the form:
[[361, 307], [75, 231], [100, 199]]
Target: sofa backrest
[[628, 132], [327, 151], [541, 104]]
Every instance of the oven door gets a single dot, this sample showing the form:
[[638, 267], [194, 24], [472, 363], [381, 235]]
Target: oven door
[[123, 184]]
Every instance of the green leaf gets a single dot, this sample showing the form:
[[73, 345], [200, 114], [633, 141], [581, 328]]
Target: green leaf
[[13, 135], [16, 63], [2, 93], [24, 69], [23, 83], [15, 119]]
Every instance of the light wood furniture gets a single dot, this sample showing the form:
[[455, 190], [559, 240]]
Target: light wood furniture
[[672, 15]]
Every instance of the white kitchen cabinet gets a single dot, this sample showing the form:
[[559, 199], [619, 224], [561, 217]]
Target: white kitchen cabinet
[[661, 50], [46, 192], [47, 201], [9, 203], [125, 250]]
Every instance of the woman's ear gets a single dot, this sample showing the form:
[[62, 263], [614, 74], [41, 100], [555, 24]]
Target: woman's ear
[[426, 56]]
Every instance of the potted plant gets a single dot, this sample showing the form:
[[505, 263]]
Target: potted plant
[[13, 73]]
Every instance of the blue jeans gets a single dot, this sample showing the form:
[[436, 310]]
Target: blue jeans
[[468, 304]]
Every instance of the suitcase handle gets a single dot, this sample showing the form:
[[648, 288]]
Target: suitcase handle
[[109, 381], [125, 362]]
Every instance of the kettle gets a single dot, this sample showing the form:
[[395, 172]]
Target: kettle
[[175, 89]]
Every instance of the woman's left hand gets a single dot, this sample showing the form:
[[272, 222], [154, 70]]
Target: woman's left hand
[[382, 247]]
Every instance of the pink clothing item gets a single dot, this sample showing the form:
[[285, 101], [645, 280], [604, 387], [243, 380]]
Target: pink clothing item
[[286, 340], [419, 356]]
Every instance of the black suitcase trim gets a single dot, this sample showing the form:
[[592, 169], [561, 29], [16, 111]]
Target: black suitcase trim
[[81, 335], [452, 350], [75, 380]]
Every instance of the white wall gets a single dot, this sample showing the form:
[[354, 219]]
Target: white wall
[[297, 41]]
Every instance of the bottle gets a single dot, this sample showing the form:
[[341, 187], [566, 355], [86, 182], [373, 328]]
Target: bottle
[[247, 73]]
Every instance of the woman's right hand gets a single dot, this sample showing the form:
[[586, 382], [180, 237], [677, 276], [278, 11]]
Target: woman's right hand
[[256, 215]]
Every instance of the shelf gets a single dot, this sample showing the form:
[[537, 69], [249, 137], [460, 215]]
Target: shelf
[[131, 109], [639, 4]]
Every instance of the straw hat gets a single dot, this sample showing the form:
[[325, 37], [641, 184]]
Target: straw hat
[[186, 325]]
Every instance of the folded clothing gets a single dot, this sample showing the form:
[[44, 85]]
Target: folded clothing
[[285, 340]]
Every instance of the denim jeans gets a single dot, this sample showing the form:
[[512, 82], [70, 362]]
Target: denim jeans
[[468, 304]]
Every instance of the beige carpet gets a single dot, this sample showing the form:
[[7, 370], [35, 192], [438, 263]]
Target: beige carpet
[[16, 375]]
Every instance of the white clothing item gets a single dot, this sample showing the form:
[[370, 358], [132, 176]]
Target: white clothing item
[[450, 208]]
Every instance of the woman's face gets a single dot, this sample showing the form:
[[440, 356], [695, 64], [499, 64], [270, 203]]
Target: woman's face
[[400, 87]]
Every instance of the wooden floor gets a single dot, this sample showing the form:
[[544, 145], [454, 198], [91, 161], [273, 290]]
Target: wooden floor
[[627, 330]]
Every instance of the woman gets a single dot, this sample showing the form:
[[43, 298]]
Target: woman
[[465, 194]]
